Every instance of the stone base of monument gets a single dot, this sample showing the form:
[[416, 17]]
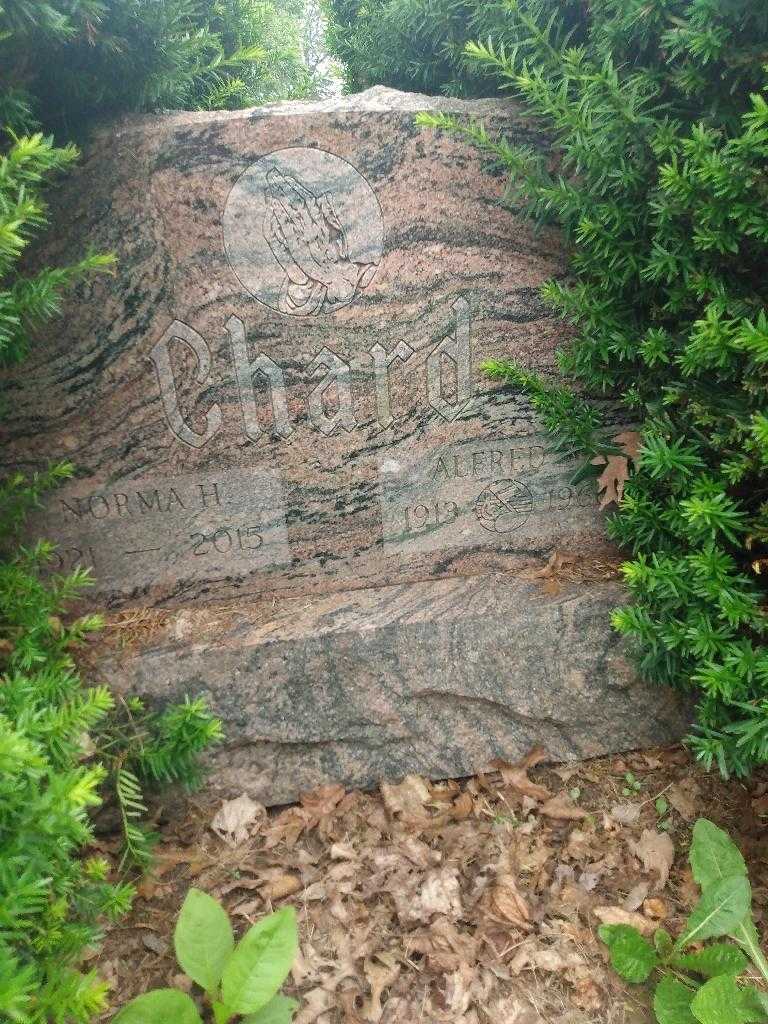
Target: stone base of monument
[[437, 678]]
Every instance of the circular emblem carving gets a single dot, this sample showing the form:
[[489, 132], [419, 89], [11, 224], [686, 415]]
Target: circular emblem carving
[[303, 231], [503, 506]]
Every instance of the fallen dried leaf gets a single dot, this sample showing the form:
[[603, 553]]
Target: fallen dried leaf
[[231, 822], [552, 960], [636, 895], [656, 851], [437, 892], [321, 801], [626, 814], [282, 886], [562, 807], [617, 915], [630, 441], [655, 908], [463, 806], [516, 775], [507, 901], [287, 827], [379, 976], [314, 1004], [611, 481], [684, 796], [407, 799], [155, 943], [587, 994]]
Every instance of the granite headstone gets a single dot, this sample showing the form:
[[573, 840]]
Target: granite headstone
[[284, 440]]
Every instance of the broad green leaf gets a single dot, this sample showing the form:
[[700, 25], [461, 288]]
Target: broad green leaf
[[713, 854], [745, 933], [631, 955], [711, 961], [279, 1010], [221, 1013], [718, 1001], [662, 940], [162, 1006], [721, 908], [203, 939], [672, 1002], [260, 963], [755, 1004]]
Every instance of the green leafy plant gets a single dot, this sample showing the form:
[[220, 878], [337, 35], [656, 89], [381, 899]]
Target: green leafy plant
[[701, 980], [64, 748], [632, 785], [240, 980], [52, 899], [658, 122]]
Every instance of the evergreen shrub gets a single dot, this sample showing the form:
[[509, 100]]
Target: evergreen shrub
[[419, 45], [658, 113], [95, 59], [64, 746]]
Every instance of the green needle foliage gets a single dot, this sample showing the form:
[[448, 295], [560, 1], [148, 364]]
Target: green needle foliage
[[659, 124], [26, 301], [418, 44], [51, 899], [95, 59], [65, 747]]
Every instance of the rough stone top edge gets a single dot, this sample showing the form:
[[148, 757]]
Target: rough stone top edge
[[250, 621], [376, 100]]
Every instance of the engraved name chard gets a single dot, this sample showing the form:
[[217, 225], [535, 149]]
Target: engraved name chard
[[350, 448], [334, 380]]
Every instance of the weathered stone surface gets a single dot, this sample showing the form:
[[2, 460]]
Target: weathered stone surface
[[437, 677], [278, 403], [377, 451]]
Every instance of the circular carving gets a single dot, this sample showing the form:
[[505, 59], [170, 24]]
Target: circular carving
[[503, 506], [303, 231]]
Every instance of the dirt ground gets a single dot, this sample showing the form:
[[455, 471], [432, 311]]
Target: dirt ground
[[474, 901]]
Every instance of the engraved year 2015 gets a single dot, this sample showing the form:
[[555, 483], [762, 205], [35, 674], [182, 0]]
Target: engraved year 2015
[[227, 540]]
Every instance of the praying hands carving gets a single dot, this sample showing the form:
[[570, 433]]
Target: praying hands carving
[[309, 242]]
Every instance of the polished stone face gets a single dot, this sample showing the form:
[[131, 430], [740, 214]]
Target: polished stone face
[[281, 388]]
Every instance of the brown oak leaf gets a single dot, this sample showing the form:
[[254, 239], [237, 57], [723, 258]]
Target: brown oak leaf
[[562, 807], [630, 441], [516, 775], [656, 851], [611, 481]]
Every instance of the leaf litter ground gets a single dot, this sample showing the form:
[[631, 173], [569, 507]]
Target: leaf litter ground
[[474, 901]]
